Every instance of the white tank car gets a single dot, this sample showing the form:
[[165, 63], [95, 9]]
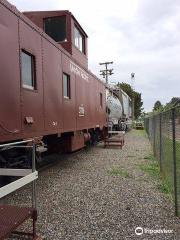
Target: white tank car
[[114, 109], [124, 116], [127, 110], [127, 105]]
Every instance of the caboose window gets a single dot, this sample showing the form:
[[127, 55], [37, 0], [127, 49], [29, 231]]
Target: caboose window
[[100, 100], [55, 27], [66, 85], [79, 40], [28, 70]]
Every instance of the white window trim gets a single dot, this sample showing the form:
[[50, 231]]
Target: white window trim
[[28, 87]]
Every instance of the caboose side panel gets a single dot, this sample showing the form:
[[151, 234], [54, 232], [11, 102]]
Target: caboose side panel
[[93, 119], [10, 110], [32, 96], [69, 102], [81, 109], [96, 102], [52, 75], [89, 108], [102, 104]]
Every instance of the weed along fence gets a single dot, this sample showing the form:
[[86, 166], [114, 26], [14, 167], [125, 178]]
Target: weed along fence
[[164, 134]]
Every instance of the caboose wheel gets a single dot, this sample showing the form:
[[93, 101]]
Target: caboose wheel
[[95, 138]]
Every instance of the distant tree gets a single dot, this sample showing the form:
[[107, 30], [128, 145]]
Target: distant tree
[[142, 116], [157, 106], [138, 104], [171, 103], [126, 88], [174, 100], [137, 98]]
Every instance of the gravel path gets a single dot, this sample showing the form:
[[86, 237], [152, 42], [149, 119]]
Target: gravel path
[[101, 194]]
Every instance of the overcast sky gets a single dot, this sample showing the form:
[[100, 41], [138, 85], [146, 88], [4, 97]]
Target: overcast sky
[[140, 36]]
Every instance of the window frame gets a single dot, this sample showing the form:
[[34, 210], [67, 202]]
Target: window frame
[[100, 100], [83, 40], [33, 70], [68, 85], [65, 16]]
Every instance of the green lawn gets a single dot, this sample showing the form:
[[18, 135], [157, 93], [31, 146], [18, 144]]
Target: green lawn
[[143, 132]]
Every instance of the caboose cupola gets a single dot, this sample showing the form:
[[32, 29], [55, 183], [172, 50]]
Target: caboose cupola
[[65, 30]]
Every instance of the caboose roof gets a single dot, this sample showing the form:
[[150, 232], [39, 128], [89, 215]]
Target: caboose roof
[[58, 12]]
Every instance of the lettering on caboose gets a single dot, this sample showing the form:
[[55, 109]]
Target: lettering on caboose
[[78, 71]]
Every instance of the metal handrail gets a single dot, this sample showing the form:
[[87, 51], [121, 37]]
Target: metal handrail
[[19, 172]]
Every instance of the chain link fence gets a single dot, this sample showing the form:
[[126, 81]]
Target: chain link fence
[[164, 134]]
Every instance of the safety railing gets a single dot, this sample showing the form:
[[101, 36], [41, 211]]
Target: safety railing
[[27, 175]]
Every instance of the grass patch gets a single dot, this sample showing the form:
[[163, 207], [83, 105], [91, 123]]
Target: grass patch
[[142, 132], [145, 134], [118, 171], [163, 187], [152, 169], [115, 171], [127, 175], [150, 157], [136, 149], [138, 131], [130, 156]]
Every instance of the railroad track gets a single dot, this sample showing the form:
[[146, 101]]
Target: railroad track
[[51, 160], [56, 159]]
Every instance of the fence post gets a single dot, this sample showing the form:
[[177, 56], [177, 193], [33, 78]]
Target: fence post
[[154, 139], [160, 131], [174, 161]]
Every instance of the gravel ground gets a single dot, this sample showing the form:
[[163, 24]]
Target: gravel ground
[[82, 198]]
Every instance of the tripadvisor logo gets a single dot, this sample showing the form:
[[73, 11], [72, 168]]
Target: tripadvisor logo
[[140, 231]]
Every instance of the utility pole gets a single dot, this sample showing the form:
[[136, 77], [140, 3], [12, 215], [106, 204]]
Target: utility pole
[[105, 74], [106, 71], [133, 99]]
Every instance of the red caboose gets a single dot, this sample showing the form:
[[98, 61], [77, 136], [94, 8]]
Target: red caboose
[[46, 89]]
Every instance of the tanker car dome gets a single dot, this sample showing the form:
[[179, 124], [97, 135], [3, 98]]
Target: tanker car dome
[[65, 30]]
